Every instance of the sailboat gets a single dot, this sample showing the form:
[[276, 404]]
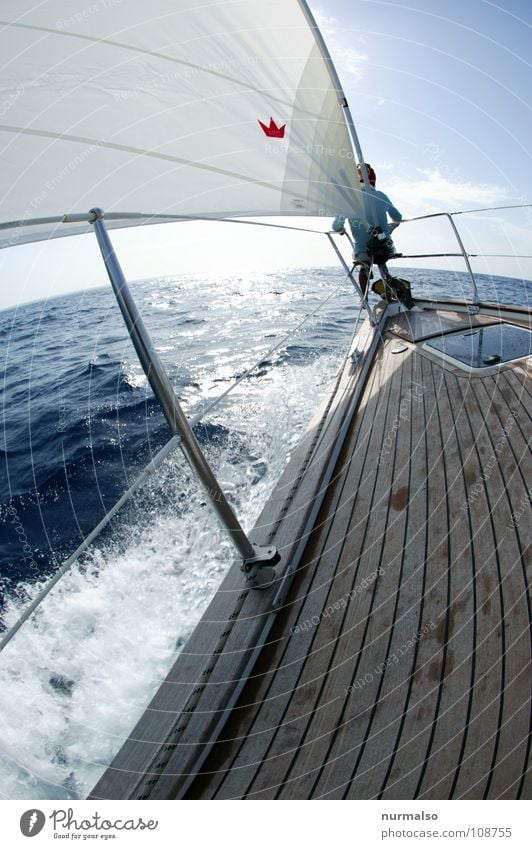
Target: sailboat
[[371, 639]]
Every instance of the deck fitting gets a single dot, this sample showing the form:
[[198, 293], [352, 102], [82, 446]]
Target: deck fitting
[[259, 570]]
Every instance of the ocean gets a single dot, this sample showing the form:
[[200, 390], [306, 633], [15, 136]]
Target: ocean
[[79, 424]]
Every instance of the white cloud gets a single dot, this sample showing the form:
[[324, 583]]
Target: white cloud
[[432, 191], [347, 60], [326, 24]]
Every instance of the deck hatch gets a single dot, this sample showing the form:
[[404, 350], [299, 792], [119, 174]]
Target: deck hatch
[[484, 347]]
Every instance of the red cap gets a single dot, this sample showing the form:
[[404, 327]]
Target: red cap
[[371, 174]]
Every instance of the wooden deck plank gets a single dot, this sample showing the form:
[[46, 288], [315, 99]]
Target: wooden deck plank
[[363, 659], [518, 392], [412, 628]]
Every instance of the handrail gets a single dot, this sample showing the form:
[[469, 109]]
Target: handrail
[[475, 256], [449, 217], [463, 253], [257, 560]]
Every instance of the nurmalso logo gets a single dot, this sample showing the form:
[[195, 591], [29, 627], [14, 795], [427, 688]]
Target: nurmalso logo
[[32, 822]]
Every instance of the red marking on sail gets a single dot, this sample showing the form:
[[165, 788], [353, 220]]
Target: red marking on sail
[[273, 131]]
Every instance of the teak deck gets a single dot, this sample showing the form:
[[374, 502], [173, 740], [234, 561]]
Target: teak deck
[[397, 667]]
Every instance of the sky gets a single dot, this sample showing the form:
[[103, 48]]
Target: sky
[[440, 95]]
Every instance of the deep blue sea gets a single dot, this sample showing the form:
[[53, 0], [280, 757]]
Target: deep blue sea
[[79, 423]]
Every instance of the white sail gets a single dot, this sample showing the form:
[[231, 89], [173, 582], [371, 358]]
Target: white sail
[[170, 107]]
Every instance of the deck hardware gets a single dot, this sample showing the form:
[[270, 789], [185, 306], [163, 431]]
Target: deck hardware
[[257, 564], [259, 569], [282, 592], [400, 348]]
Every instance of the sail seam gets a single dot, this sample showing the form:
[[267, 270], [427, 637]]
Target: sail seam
[[281, 189]]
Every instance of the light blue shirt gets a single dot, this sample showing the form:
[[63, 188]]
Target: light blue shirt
[[361, 229]]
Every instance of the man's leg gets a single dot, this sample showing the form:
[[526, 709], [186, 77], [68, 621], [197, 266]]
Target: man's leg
[[363, 278], [364, 274]]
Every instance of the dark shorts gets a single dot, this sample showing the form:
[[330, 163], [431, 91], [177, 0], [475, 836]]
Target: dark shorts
[[380, 249]]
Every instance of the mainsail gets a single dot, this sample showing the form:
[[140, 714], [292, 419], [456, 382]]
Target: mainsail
[[167, 108]]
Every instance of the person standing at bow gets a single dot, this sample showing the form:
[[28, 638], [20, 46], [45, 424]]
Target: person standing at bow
[[373, 243]]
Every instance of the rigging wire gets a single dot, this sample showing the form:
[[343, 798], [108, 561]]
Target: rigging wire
[[466, 212], [477, 256]]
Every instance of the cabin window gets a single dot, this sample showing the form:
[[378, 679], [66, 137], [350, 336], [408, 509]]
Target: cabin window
[[484, 347]]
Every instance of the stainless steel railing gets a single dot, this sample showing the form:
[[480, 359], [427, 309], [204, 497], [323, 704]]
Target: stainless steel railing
[[257, 560]]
